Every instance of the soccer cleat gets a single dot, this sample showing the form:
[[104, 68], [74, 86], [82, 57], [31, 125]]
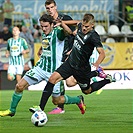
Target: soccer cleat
[[101, 73], [6, 113], [81, 105], [57, 111], [109, 77], [34, 109], [99, 92]]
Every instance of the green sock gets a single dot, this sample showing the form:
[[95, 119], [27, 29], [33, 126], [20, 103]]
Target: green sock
[[16, 97], [71, 100]]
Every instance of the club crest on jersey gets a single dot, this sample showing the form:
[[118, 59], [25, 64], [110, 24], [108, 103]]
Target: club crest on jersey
[[45, 43]]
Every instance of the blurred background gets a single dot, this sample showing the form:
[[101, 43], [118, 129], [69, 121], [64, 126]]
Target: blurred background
[[114, 23]]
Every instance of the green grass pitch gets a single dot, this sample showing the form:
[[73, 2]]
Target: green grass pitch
[[109, 112]]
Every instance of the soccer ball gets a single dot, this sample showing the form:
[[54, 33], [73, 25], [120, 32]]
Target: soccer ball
[[39, 118]]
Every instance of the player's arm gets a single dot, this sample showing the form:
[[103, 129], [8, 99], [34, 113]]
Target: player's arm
[[72, 22], [39, 51], [8, 49], [7, 53], [101, 56], [26, 48], [66, 28], [26, 51]]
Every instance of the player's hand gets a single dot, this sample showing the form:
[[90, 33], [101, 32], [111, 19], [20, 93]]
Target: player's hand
[[95, 65], [7, 55]]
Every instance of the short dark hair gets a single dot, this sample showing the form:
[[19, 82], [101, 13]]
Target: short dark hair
[[48, 2], [46, 18], [88, 18]]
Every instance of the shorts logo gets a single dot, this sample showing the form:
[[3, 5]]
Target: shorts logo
[[82, 85]]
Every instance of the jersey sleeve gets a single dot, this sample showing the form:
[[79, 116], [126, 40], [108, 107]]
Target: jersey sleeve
[[95, 39], [25, 45], [8, 47], [60, 33], [67, 17]]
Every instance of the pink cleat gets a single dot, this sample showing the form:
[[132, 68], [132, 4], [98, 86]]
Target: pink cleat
[[57, 111], [81, 105], [101, 73]]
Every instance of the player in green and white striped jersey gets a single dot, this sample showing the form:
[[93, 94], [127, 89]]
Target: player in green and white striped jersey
[[52, 48], [16, 48]]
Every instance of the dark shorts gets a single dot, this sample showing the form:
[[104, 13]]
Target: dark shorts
[[8, 21], [82, 75]]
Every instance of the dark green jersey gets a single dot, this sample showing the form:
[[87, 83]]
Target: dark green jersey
[[83, 47]]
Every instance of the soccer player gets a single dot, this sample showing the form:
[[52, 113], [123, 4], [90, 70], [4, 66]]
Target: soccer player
[[16, 48], [52, 47], [51, 8], [77, 64]]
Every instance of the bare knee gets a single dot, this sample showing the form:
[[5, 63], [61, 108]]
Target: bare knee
[[58, 100], [19, 88], [86, 92], [55, 77], [10, 78], [71, 81]]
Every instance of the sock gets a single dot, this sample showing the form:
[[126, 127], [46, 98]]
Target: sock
[[62, 88], [71, 100], [98, 85], [16, 97], [46, 94], [93, 74]]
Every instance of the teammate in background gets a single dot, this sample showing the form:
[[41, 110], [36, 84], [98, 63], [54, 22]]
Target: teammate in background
[[16, 48], [8, 8], [52, 47], [51, 8], [78, 65]]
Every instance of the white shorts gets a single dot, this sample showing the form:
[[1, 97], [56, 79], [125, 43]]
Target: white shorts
[[36, 75], [15, 69]]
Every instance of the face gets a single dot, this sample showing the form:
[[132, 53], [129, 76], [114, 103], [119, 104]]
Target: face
[[86, 27], [51, 9], [46, 27], [16, 31]]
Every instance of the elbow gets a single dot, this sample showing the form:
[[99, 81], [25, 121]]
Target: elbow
[[70, 32]]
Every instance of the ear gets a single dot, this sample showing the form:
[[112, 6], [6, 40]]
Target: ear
[[56, 7], [52, 25], [92, 25]]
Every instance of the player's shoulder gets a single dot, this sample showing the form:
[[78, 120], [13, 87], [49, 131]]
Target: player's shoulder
[[64, 16], [21, 38], [11, 38]]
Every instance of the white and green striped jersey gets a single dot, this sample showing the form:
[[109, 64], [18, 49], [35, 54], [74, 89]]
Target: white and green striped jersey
[[15, 47], [52, 49]]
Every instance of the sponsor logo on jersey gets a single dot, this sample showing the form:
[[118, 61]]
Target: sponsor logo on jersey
[[47, 53]]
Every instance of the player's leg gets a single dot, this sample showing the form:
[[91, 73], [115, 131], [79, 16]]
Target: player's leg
[[31, 77], [96, 85], [16, 97], [19, 72], [11, 73], [79, 100], [59, 88], [71, 81]]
